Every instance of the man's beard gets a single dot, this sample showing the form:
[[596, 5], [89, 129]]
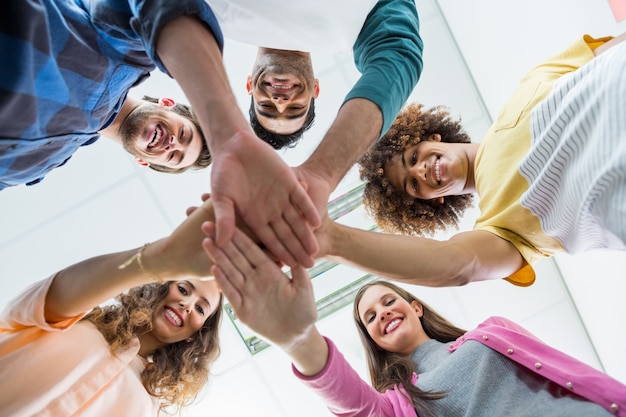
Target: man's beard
[[134, 126]]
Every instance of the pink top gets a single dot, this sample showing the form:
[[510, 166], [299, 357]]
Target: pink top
[[346, 394], [65, 368]]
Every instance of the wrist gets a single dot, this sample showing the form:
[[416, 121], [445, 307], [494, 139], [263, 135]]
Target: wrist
[[310, 353]]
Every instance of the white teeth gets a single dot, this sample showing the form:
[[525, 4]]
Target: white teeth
[[281, 87], [395, 323], [157, 136], [437, 172], [174, 317]]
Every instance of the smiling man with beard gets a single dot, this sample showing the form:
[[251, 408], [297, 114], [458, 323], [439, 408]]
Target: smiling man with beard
[[383, 36], [283, 90], [160, 134]]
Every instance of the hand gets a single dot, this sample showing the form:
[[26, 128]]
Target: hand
[[317, 187], [279, 309], [249, 176], [204, 198], [180, 255], [324, 236]]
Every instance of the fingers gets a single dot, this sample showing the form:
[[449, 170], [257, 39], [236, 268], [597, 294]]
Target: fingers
[[225, 273], [303, 231], [225, 220], [303, 203], [204, 197], [287, 237]]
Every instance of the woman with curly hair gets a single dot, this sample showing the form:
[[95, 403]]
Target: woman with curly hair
[[420, 364], [65, 350], [550, 174], [396, 211]]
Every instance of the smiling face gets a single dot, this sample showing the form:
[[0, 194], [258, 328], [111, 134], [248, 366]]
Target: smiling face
[[183, 311], [392, 322], [156, 135], [282, 86], [430, 169]]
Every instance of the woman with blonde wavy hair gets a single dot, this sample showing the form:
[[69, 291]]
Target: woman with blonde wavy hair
[[65, 349]]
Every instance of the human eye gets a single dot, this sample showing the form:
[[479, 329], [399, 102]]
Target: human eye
[[199, 309], [390, 301], [414, 184], [183, 290], [413, 158], [370, 317]]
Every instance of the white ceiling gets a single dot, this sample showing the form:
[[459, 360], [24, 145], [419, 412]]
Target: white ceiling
[[475, 52]]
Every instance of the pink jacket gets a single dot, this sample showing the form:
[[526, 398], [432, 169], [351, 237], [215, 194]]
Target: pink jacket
[[346, 394]]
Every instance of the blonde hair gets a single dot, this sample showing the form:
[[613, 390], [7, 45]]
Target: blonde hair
[[176, 372]]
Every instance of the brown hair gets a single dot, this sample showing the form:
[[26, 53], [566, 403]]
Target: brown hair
[[393, 210], [176, 372], [387, 369]]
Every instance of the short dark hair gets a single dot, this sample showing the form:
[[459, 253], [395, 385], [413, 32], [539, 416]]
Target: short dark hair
[[277, 140], [204, 159]]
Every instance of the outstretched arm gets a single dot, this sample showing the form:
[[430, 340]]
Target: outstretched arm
[[87, 284], [466, 257], [388, 53], [248, 177], [279, 309], [283, 311]]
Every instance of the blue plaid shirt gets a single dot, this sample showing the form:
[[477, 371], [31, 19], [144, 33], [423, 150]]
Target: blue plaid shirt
[[67, 66]]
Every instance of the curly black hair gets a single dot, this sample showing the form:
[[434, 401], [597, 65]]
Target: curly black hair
[[393, 210]]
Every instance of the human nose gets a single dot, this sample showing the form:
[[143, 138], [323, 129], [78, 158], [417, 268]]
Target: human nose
[[281, 102], [173, 143], [420, 170], [385, 315], [185, 306]]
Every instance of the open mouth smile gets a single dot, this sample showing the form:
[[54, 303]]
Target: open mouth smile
[[392, 325], [173, 317]]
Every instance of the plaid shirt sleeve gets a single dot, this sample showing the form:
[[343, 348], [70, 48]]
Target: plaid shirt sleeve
[[71, 65]]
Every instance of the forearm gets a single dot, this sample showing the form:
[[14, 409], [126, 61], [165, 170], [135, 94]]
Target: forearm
[[190, 53], [82, 286], [355, 129], [467, 257], [89, 283]]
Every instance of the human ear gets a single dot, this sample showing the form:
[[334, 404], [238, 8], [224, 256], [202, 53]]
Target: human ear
[[435, 137], [166, 102], [316, 88], [418, 308], [249, 84], [142, 162]]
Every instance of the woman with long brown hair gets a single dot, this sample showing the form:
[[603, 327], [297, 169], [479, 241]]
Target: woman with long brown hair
[[420, 364], [65, 349]]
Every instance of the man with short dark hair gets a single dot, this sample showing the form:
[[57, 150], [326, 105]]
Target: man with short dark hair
[[383, 36]]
